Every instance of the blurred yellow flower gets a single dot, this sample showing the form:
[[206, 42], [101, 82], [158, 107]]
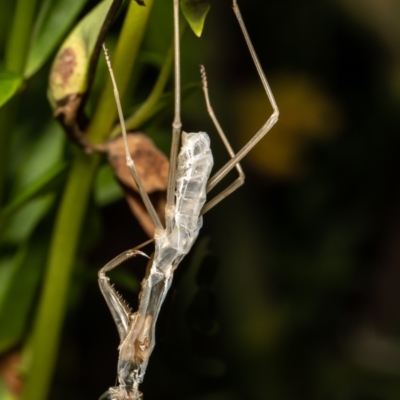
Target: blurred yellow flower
[[306, 114]]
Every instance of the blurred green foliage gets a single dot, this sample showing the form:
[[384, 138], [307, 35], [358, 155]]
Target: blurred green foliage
[[292, 292]]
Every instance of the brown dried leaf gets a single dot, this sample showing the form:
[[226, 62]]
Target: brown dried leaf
[[137, 207], [73, 120], [152, 167], [9, 372]]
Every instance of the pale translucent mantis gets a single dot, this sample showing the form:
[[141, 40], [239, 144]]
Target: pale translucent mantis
[[186, 203]]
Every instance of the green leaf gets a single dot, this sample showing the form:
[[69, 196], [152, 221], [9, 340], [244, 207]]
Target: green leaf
[[69, 73], [53, 22], [195, 12], [19, 287], [24, 221], [33, 158], [38, 170], [9, 85], [44, 185], [106, 190]]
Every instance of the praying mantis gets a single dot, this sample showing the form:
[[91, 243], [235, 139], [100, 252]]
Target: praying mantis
[[188, 184]]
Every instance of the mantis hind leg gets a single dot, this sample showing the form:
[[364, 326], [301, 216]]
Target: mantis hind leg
[[236, 158]]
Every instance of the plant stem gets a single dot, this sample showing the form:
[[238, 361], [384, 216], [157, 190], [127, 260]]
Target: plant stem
[[63, 250], [122, 63], [53, 300], [146, 110]]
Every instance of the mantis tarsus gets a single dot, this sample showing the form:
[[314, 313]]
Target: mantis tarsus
[[186, 203]]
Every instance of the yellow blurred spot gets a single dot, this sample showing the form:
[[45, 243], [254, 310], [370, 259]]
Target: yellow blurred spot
[[306, 114]]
